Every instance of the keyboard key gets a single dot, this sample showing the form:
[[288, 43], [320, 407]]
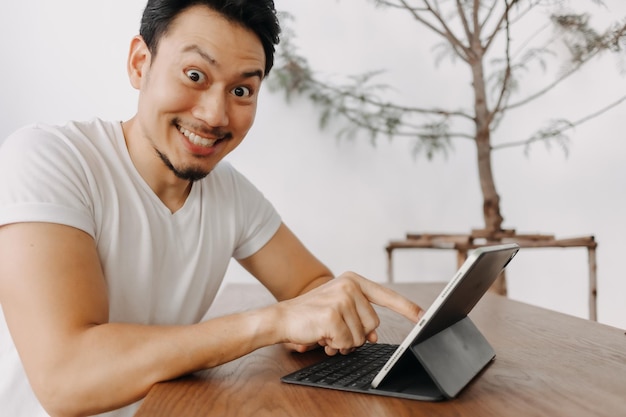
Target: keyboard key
[[357, 369]]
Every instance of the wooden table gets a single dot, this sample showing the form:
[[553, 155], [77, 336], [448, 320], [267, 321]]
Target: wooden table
[[547, 364]]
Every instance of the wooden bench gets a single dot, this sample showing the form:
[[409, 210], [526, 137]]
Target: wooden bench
[[463, 243]]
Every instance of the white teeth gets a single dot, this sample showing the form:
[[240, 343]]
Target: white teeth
[[195, 139]]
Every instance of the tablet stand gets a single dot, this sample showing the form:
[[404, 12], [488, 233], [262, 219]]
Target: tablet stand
[[442, 365], [454, 356]]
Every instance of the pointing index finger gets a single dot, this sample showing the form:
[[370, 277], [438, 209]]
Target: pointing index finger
[[386, 297]]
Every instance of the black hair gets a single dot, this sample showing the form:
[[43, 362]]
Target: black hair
[[259, 16]]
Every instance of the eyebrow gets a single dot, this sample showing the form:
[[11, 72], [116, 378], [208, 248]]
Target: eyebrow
[[213, 61]]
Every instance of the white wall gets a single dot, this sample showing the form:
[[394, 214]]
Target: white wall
[[345, 199]]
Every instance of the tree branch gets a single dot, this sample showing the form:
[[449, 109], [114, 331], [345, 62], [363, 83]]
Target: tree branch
[[461, 12], [488, 16], [507, 72], [548, 134], [365, 99], [579, 63], [496, 30], [462, 51]]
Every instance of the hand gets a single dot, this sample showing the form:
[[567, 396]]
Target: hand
[[339, 314]]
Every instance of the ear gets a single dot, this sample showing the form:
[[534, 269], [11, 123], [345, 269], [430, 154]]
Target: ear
[[138, 61]]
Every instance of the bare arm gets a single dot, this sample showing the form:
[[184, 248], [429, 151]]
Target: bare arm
[[54, 297]]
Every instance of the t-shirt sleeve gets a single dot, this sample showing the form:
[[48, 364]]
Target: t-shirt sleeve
[[42, 179], [258, 219]]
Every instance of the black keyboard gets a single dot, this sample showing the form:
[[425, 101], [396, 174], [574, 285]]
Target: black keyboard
[[356, 370]]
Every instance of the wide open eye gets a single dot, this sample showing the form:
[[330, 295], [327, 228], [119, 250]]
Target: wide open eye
[[241, 91], [195, 75]]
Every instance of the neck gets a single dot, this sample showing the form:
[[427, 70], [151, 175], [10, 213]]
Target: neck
[[170, 189]]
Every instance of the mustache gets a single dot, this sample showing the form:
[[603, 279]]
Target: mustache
[[204, 131]]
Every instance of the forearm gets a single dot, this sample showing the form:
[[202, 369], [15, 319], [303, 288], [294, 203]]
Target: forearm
[[111, 365]]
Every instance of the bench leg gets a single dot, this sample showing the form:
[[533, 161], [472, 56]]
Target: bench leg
[[593, 285]]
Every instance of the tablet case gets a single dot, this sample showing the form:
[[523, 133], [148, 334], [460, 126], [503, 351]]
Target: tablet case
[[441, 366]]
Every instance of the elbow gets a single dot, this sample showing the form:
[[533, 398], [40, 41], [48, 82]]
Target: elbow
[[56, 400], [63, 396], [77, 394]]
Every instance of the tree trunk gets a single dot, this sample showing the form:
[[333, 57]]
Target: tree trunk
[[491, 200]]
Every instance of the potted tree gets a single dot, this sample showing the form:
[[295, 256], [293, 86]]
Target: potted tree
[[489, 40]]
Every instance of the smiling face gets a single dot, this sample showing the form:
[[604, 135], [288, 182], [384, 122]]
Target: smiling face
[[197, 96]]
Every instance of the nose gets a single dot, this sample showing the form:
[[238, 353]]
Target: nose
[[212, 108]]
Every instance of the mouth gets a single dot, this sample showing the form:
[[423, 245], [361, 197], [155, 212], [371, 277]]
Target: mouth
[[197, 139]]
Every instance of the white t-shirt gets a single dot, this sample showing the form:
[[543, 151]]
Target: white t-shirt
[[160, 268]]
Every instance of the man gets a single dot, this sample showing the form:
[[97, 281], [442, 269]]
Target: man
[[115, 237]]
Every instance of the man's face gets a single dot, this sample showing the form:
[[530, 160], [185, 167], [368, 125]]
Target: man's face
[[198, 93]]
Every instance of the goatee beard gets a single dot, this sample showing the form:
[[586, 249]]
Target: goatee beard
[[187, 174]]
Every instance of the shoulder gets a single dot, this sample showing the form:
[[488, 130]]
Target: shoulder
[[71, 134], [73, 154], [84, 143]]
